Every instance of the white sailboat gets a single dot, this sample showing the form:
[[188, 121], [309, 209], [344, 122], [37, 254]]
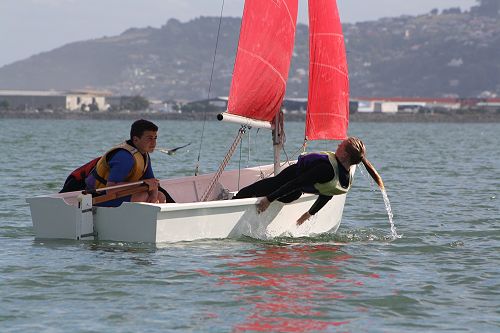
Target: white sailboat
[[203, 209]]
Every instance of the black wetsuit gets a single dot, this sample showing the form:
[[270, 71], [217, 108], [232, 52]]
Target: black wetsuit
[[296, 179]]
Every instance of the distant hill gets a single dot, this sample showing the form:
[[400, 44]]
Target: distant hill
[[433, 55]]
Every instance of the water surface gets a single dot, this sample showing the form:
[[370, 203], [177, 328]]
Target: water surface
[[441, 276]]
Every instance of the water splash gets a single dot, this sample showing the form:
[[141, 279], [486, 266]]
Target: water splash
[[394, 234], [369, 179]]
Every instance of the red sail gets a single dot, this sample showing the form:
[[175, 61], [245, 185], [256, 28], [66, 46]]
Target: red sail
[[263, 58], [328, 100]]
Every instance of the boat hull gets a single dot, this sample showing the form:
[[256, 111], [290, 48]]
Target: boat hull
[[64, 216], [158, 223]]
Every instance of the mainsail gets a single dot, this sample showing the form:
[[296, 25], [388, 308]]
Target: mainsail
[[328, 97], [263, 58]]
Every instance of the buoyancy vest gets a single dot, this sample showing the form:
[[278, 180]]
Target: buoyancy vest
[[76, 180], [102, 169], [333, 187]]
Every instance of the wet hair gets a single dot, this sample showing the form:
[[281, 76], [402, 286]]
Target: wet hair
[[356, 150], [140, 126]]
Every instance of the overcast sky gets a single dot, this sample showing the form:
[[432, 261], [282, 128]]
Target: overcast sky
[[28, 27]]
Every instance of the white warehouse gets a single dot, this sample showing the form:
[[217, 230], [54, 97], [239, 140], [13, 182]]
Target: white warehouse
[[52, 99]]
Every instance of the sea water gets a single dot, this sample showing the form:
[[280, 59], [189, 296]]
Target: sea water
[[442, 275], [387, 203]]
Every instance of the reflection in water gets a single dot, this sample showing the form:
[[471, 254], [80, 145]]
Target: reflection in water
[[287, 288]]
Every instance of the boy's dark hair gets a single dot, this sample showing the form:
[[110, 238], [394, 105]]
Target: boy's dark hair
[[140, 126]]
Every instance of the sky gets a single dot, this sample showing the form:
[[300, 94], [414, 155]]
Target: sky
[[28, 27]]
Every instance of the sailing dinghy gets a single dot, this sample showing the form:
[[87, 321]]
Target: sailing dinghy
[[203, 209]]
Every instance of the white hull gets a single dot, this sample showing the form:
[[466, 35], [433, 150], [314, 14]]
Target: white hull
[[59, 217]]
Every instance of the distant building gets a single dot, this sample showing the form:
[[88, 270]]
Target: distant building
[[491, 104], [219, 102], [54, 100], [216, 104], [294, 105], [386, 105], [402, 104], [290, 105]]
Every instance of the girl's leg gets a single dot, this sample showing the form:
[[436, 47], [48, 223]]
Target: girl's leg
[[320, 172], [290, 197], [265, 186]]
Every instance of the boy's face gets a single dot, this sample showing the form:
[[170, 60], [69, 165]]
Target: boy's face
[[147, 142]]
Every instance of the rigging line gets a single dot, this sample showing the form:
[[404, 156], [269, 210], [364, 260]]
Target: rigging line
[[209, 90], [257, 153], [239, 164], [281, 164], [224, 163], [293, 155], [286, 155], [249, 147], [248, 157]]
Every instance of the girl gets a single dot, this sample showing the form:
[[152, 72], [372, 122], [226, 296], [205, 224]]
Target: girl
[[323, 173]]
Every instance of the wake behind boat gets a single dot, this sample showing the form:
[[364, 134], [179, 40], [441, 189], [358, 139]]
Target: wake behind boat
[[202, 208]]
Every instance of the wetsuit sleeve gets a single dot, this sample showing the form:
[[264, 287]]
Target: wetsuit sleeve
[[149, 172], [319, 203], [120, 166]]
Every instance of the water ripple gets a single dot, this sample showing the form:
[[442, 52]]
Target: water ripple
[[441, 276]]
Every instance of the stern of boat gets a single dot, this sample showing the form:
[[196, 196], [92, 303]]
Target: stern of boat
[[55, 218]]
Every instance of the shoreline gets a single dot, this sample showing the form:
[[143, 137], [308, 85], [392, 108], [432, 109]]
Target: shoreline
[[459, 117]]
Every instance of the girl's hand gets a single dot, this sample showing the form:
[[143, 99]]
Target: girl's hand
[[306, 216], [262, 205]]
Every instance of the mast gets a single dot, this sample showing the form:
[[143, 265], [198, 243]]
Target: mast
[[278, 141]]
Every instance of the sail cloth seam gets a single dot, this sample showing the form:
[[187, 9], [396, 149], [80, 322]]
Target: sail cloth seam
[[329, 66], [266, 63], [288, 11]]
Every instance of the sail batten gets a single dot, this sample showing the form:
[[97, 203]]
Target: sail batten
[[263, 58], [328, 97]]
